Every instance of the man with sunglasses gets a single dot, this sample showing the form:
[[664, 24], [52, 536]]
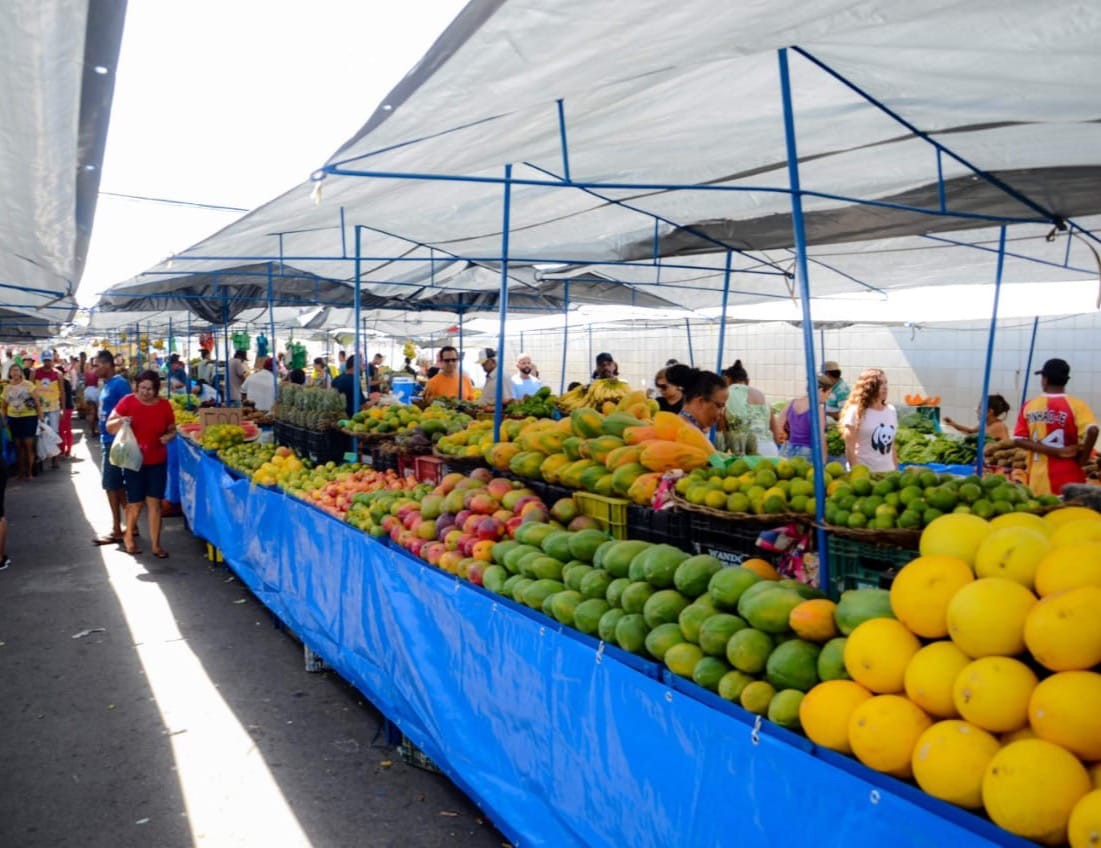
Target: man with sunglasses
[[447, 382]]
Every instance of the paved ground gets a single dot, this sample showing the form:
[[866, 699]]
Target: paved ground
[[188, 719]]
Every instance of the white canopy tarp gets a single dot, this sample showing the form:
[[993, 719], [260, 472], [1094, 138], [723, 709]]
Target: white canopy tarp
[[57, 78]]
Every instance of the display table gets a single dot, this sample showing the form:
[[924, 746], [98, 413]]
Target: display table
[[561, 741]]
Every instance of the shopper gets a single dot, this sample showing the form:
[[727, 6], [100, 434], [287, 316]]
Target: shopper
[[487, 358], [345, 384], [996, 410], [65, 421], [297, 376], [238, 372], [839, 389], [705, 396], [525, 382], [374, 373], [21, 411], [48, 380], [447, 382], [749, 415], [606, 367], [259, 388], [796, 421], [1059, 432], [206, 369], [91, 396], [669, 382], [319, 376], [114, 388], [154, 426], [869, 424]]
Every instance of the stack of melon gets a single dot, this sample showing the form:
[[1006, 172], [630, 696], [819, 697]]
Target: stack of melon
[[981, 681]]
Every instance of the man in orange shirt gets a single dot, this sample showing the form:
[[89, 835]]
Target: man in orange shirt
[[447, 382], [1058, 431]]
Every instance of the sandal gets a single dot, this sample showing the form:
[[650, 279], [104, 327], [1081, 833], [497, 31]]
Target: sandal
[[109, 539], [160, 554]]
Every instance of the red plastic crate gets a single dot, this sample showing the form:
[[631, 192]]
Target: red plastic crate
[[405, 465], [428, 469]]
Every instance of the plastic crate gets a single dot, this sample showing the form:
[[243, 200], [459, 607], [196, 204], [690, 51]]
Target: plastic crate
[[325, 445], [731, 541], [383, 460], [662, 526], [859, 565], [428, 469], [411, 755], [610, 513]]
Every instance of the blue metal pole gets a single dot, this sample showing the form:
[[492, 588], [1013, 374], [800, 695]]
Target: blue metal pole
[[343, 236], [461, 350], [722, 318], [356, 307], [503, 304], [565, 336], [691, 353], [980, 456], [803, 279], [562, 137], [1028, 366], [271, 324]]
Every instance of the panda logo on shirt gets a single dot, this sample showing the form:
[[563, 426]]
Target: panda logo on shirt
[[883, 438]]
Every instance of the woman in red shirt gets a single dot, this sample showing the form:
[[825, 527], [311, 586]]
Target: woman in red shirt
[[154, 425]]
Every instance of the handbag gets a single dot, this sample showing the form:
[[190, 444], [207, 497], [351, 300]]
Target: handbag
[[125, 451]]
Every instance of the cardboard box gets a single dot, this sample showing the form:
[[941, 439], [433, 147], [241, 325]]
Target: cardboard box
[[218, 415]]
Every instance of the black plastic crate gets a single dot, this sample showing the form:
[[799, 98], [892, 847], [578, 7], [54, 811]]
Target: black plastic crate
[[665, 526], [326, 445], [383, 460], [730, 540], [860, 565]]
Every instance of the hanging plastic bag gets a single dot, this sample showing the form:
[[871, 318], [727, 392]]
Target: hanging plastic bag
[[125, 451], [49, 443]]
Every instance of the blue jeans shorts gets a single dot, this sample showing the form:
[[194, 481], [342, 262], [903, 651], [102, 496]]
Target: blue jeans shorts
[[147, 482]]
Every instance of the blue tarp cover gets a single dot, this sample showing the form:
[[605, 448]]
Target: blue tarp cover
[[561, 740]]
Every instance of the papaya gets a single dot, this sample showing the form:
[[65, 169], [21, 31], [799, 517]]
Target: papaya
[[635, 596], [859, 605], [716, 631], [808, 592], [682, 658], [545, 568], [639, 435], [600, 447], [583, 544], [662, 638], [606, 628], [709, 671], [587, 615], [557, 544], [660, 563], [502, 548], [510, 584], [574, 573], [770, 611], [813, 620], [591, 476], [494, 578], [617, 422], [831, 661], [615, 591], [570, 475], [630, 633], [564, 605], [526, 464], [550, 467], [622, 456], [617, 558], [500, 454], [695, 438], [598, 557], [538, 591], [663, 455], [604, 486], [512, 558], [692, 618], [663, 607], [793, 665], [510, 429], [727, 586], [630, 399], [595, 584], [668, 424], [754, 590], [642, 411], [643, 489], [586, 423], [624, 477], [694, 574], [748, 650], [571, 447]]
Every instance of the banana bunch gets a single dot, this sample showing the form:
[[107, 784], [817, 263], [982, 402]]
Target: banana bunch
[[409, 350], [595, 395], [573, 399]]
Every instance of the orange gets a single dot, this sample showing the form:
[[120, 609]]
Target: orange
[[825, 712], [1068, 567], [994, 692], [877, 653], [950, 759], [987, 617], [922, 590], [930, 676], [956, 535], [1063, 631], [813, 620], [1030, 788], [1084, 828], [761, 568], [1013, 553], [883, 732], [1066, 709]]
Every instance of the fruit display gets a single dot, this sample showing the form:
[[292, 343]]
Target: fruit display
[[977, 674], [918, 447], [312, 407], [348, 483], [369, 510], [219, 436], [472, 440], [770, 488], [1005, 457], [433, 422], [542, 404], [246, 457], [915, 497], [183, 409], [922, 400], [280, 466], [601, 395]]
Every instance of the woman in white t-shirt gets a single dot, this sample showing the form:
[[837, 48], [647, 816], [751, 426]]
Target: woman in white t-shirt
[[869, 423]]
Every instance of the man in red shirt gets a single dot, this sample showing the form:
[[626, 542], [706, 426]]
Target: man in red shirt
[[1058, 430]]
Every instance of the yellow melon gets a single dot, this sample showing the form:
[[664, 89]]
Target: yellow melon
[[950, 759], [994, 692], [1068, 567], [1022, 519], [1013, 553], [883, 732], [825, 711], [1063, 631], [987, 617], [1084, 827], [1030, 788], [1067, 514], [930, 676], [956, 535], [1017, 735], [1074, 532], [1066, 709], [1095, 775], [922, 590], [877, 653]]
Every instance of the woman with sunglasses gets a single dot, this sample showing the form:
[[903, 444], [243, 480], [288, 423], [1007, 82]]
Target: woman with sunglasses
[[669, 382]]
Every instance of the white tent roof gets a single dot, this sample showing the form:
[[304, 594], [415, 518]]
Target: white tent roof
[[657, 96], [57, 76]]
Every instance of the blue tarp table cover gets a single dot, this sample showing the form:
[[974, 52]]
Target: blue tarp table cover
[[562, 742], [172, 485]]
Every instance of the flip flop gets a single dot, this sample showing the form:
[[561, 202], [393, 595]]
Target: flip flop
[[107, 540], [160, 554], [132, 551]]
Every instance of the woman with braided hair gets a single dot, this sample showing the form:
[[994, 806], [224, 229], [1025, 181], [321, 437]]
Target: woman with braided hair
[[869, 423]]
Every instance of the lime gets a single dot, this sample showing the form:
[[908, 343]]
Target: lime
[[857, 520]]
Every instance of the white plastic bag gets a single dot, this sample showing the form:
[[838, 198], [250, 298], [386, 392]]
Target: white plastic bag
[[125, 451], [49, 443]]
